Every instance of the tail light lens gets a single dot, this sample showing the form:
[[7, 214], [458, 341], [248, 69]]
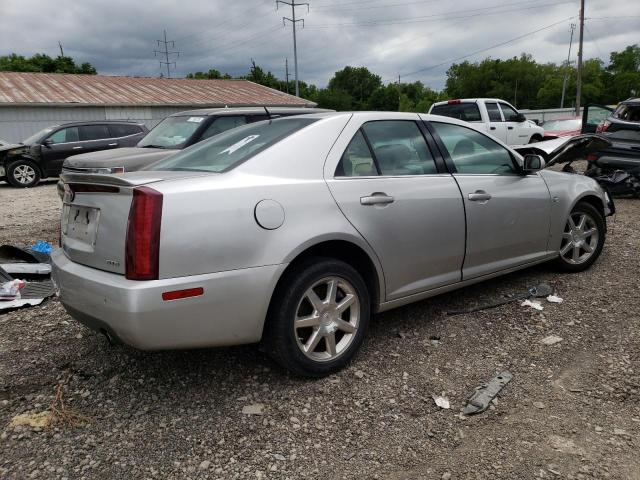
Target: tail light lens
[[592, 157], [603, 127], [142, 256]]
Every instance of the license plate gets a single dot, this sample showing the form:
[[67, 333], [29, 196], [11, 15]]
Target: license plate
[[81, 223]]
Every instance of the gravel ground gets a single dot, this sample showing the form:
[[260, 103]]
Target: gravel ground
[[571, 411]]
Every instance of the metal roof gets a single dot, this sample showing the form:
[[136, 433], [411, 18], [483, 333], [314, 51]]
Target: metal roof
[[57, 89]]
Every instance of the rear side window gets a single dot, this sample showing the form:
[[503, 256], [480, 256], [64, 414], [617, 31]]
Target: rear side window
[[628, 113], [469, 112], [123, 130], [65, 135], [398, 148], [93, 132], [493, 111], [474, 153], [228, 149]]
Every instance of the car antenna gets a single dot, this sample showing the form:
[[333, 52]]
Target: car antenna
[[266, 110]]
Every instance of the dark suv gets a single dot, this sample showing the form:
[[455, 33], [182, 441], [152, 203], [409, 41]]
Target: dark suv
[[621, 125], [175, 133], [42, 154]]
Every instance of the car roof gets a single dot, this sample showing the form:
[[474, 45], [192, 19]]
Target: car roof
[[632, 100], [98, 122], [205, 112], [471, 100]]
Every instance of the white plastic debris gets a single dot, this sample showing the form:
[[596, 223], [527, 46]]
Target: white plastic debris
[[554, 299], [254, 409], [11, 290], [5, 305], [551, 340], [533, 304], [441, 401]]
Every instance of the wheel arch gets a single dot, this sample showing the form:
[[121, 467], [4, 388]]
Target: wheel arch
[[593, 200], [8, 162]]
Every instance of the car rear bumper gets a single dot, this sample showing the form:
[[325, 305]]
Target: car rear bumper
[[231, 311]]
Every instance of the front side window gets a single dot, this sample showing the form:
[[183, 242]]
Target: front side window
[[228, 149], [65, 135], [510, 115], [222, 124], [493, 111], [474, 153], [172, 132], [93, 132], [467, 111]]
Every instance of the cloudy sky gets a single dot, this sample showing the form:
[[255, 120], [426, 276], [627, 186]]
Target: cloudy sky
[[417, 39]]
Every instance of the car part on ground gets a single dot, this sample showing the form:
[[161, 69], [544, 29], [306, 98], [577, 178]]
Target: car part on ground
[[356, 213], [42, 154], [537, 291], [483, 396]]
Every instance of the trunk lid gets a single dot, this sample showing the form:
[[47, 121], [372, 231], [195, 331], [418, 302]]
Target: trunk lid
[[95, 215]]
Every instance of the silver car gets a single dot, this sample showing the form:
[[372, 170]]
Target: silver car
[[294, 231]]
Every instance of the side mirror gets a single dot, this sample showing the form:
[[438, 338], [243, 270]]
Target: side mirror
[[47, 143], [520, 118], [533, 163]]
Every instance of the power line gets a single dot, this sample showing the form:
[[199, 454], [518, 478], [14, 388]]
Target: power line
[[166, 54], [293, 21], [515, 39]]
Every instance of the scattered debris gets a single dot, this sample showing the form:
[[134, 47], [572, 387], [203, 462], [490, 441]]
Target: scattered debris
[[441, 401], [538, 291], [23, 268], [554, 299], [11, 290], [619, 431], [62, 414], [551, 340], [359, 374], [42, 247], [533, 304], [482, 397], [253, 409], [32, 419], [539, 405]]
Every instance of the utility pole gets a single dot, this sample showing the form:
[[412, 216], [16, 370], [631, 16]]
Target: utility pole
[[515, 95], [61, 50], [286, 72], [566, 71], [399, 93], [579, 79], [166, 53], [293, 21]]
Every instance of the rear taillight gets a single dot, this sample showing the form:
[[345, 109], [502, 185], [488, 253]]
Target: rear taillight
[[592, 157], [603, 127], [142, 254]]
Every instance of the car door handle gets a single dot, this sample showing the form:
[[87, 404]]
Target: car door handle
[[77, 148], [479, 196], [492, 128], [377, 198], [112, 144], [509, 128]]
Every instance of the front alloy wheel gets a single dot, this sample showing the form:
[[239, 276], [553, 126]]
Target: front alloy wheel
[[23, 174], [318, 317], [582, 238]]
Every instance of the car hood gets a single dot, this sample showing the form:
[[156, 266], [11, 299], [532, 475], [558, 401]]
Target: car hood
[[12, 146], [566, 149], [132, 158]]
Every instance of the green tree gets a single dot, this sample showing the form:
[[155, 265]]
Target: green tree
[[357, 82], [212, 74], [44, 63]]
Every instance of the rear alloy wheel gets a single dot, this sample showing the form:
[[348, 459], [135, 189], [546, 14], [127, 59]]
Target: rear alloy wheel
[[319, 317], [23, 174], [582, 238]]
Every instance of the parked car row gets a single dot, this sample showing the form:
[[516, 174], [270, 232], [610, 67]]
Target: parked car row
[[293, 231]]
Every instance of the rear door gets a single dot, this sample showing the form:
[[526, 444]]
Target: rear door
[[593, 115], [124, 135], [507, 212], [96, 137], [385, 179], [497, 127]]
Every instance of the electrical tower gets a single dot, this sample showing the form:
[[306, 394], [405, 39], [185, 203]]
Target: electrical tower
[[566, 72], [166, 54], [293, 21]]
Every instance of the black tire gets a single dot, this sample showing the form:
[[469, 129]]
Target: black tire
[[535, 139], [284, 344], [564, 264], [23, 173]]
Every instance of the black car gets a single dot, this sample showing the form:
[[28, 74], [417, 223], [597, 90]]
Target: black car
[[173, 134], [621, 125], [42, 154]]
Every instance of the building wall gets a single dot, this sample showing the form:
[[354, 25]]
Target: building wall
[[18, 123]]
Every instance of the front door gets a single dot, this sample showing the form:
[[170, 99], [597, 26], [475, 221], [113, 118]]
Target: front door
[[497, 126], [388, 186], [517, 134], [58, 146], [507, 212], [594, 115]]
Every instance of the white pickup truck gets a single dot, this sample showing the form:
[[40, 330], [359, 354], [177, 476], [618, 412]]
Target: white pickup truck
[[494, 116]]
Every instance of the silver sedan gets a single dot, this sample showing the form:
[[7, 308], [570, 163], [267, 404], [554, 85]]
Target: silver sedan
[[292, 232]]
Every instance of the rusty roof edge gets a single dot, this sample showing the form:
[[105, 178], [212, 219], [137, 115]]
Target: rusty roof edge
[[302, 104]]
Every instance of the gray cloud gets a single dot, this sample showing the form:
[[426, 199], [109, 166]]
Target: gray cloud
[[391, 37]]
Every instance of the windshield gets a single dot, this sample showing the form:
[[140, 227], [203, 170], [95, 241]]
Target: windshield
[[172, 132], [566, 124], [223, 152], [38, 137]]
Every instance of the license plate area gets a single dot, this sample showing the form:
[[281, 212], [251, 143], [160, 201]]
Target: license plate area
[[80, 223]]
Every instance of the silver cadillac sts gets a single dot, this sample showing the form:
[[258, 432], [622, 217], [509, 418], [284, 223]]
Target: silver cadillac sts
[[294, 231]]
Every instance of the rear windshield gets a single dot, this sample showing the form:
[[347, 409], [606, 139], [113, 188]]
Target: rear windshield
[[223, 152], [469, 112], [629, 113]]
